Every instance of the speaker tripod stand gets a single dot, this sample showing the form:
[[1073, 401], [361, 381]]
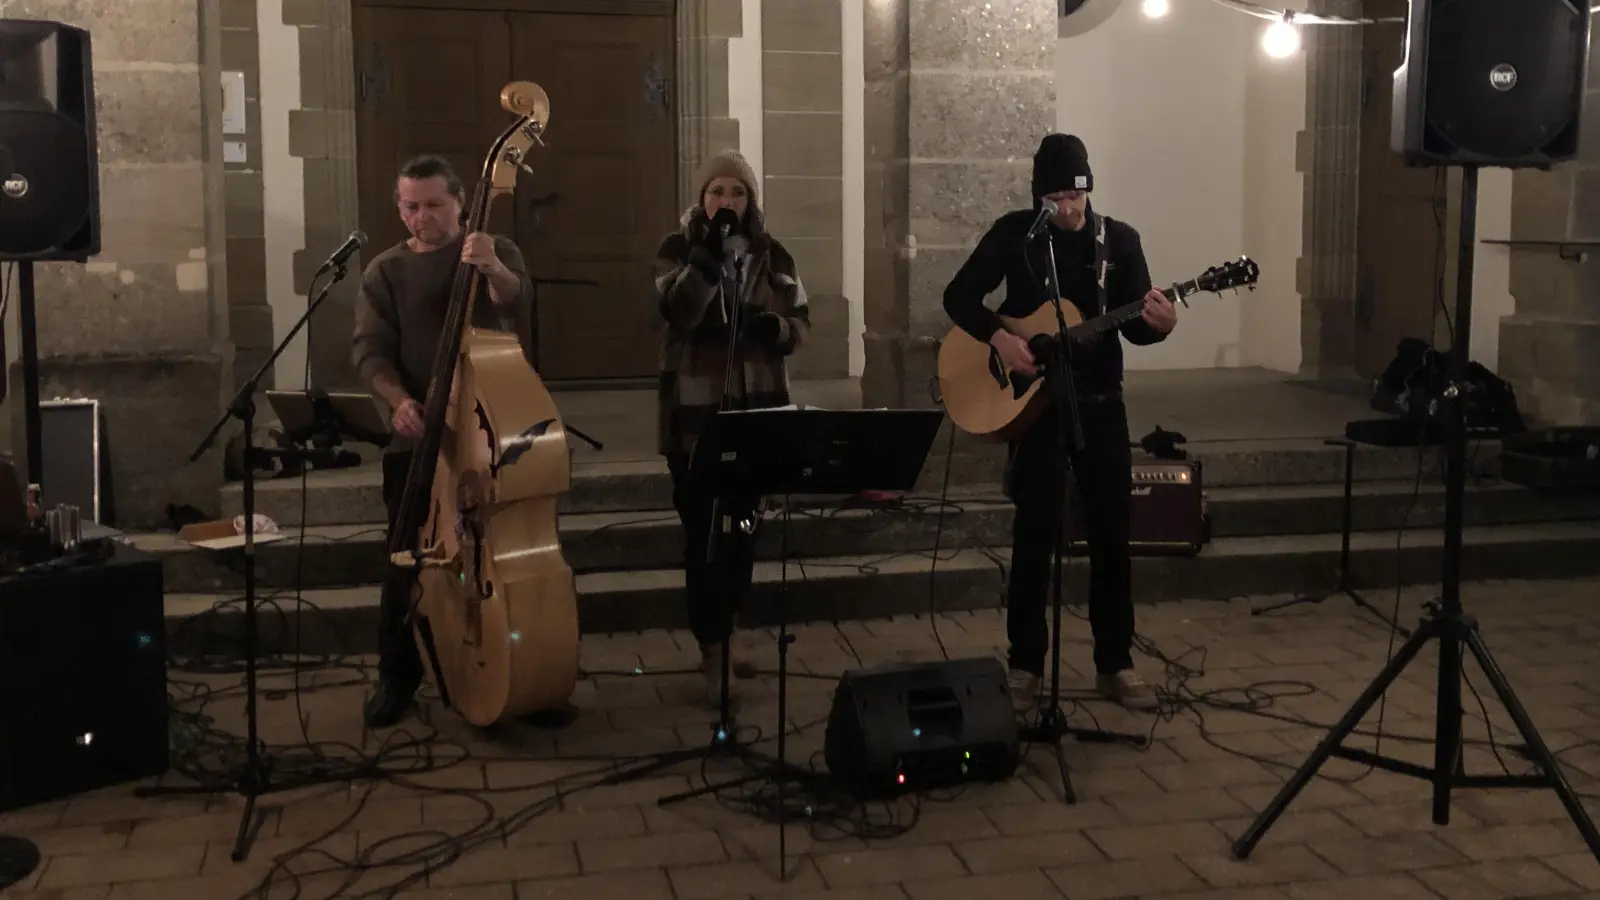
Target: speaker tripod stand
[[1447, 624]]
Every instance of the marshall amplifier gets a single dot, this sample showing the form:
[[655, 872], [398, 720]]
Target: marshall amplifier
[[1168, 510], [83, 675]]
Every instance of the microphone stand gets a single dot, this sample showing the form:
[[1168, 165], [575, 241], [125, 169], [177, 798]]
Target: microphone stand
[[254, 781], [731, 295], [1052, 725]]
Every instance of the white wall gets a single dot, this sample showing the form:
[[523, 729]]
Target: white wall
[[1274, 208], [283, 182], [744, 89], [1491, 274], [1191, 137], [852, 54]]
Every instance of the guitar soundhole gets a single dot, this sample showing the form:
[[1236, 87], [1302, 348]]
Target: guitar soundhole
[[997, 370], [1020, 384]]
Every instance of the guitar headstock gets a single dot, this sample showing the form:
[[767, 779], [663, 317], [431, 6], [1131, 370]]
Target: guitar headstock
[[1242, 272]]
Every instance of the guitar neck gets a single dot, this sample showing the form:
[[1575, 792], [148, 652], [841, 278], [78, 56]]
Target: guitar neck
[[1122, 315]]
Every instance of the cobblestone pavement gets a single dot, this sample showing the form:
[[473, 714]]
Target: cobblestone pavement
[[1149, 823]]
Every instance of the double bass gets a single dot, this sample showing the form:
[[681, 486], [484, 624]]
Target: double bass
[[494, 605]]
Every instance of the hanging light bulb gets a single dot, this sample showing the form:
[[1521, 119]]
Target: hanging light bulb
[[1155, 9], [1282, 38]]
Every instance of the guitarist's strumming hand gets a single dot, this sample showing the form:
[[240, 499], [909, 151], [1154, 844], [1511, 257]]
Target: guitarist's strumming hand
[[1159, 313], [1014, 352]]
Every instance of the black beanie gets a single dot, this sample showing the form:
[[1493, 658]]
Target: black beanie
[[1061, 164]]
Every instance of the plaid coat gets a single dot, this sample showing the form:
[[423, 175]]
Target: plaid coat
[[694, 350]]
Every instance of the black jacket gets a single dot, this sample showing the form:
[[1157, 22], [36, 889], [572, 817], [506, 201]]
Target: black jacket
[[999, 257]]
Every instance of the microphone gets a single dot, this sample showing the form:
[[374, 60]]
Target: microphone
[[354, 242], [1046, 211]]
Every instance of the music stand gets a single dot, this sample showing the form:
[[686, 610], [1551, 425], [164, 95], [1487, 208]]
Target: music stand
[[320, 421], [785, 452]]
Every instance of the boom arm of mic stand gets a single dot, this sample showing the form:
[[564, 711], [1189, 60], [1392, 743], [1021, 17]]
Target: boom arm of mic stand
[[242, 405]]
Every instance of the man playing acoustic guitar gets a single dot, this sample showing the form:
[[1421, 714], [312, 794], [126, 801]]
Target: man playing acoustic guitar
[[1104, 465]]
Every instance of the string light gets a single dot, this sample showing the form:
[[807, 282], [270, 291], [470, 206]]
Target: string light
[[1281, 39]]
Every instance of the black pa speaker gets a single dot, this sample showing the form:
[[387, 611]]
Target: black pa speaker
[[908, 727], [1491, 82], [49, 158], [83, 675]]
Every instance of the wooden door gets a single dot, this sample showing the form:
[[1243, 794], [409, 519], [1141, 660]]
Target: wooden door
[[1400, 253], [427, 81], [608, 179]]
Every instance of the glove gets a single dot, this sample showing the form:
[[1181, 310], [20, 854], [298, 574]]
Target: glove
[[762, 326], [707, 256]]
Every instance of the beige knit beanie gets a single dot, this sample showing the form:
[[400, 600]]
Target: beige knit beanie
[[727, 164]]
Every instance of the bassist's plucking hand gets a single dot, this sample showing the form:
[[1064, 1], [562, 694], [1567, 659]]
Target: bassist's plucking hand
[[1014, 352], [407, 419], [1159, 313]]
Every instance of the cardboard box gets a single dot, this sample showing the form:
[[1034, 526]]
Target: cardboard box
[[218, 534]]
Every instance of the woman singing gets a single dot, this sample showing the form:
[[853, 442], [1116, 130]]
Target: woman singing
[[720, 274]]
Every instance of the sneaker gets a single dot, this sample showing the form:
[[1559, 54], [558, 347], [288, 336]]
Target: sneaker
[[1128, 689], [1024, 688]]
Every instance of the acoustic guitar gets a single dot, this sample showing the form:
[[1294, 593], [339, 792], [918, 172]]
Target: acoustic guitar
[[986, 401]]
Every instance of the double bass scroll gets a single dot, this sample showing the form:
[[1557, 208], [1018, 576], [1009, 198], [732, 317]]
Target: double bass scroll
[[494, 602]]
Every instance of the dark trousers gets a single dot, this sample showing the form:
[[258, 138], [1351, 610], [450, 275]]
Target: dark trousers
[[399, 664], [714, 589], [1104, 468]]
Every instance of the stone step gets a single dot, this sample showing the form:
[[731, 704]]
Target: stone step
[[872, 586], [354, 496], [344, 555]]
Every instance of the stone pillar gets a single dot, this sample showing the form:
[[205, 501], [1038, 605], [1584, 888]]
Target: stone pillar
[[249, 315], [958, 95], [142, 327], [1329, 154], [803, 194], [705, 128]]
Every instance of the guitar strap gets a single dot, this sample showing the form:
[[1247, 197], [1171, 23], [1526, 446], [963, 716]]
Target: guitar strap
[[1100, 260]]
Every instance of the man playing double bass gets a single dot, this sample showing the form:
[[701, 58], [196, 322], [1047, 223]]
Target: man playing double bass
[[400, 313]]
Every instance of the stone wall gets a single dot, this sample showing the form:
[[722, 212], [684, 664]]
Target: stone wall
[[249, 315], [1548, 346], [950, 134], [143, 327]]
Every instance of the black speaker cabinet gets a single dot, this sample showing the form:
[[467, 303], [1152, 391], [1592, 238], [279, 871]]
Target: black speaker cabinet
[[49, 157], [1491, 82], [83, 677], [914, 726]]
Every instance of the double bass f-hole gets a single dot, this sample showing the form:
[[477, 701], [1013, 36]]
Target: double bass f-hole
[[483, 588]]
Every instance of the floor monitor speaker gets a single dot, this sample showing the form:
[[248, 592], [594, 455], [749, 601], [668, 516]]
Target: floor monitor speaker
[[1491, 83], [908, 727], [49, 160]]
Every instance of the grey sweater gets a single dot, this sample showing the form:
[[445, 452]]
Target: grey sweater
[[401, 308]]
